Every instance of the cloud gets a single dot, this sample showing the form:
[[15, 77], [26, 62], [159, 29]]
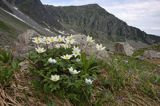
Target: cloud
[[144, 14]]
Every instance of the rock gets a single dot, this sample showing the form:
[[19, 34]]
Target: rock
[[89, 48], [151, 54], [141, 58], [124, 48], [23, 44]]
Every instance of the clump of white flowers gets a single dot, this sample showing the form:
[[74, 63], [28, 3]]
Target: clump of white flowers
[[63, 42]]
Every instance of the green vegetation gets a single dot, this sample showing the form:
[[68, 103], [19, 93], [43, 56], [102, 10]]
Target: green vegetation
[[141, 51], [141, 73], [3, 26], [65, 75], [65, 72], [7, 67], [110, 80]]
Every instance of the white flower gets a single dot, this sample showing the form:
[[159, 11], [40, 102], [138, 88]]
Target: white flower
[[40, 50], [69, 40], [57, 46], [37, 40], [73, 71], [52, 61], [65, 46], [126, 61], [60, 38], [46, 40], [62, 45], [53, 39], [55, 78], [88, 81], [66, 57], [76, 51], [100, 47], [90, 39]]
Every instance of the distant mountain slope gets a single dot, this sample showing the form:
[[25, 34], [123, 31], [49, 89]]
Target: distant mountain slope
[[36, 10], [96, 20], [87, 19], [10, 27], [13, 22]]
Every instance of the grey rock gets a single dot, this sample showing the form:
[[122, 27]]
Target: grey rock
[[24, 44], [141, 58], [124, 48], [89, 48], [151, 54]]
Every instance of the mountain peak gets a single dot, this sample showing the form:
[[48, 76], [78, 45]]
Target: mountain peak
[[94, 5]]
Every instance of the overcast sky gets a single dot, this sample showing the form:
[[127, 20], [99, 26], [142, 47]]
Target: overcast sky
[[144, 14]]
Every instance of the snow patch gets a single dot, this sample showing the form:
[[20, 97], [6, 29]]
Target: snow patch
[[48, 30], [13, 15], [15, 8]]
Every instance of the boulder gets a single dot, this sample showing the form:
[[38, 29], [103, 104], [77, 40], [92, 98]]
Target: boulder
[[124, 48], [24, 44], [89, 48], [151, 54]]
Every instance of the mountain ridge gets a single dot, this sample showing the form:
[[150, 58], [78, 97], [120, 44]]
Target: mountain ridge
[[98, 19], [90, 19]]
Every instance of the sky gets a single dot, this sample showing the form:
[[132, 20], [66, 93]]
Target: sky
[[143, 14]]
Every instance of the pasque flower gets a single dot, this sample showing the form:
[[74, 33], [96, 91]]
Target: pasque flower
[[60, 38], [76, 51], [66, 57], [53, 39], [65, 46], [88, 81], [100, 47], [40, 50], [37, 40], [69, 40], [55, 78], [57, 46], [52, 61], [73, 71], [46, 40], [90, 39]]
